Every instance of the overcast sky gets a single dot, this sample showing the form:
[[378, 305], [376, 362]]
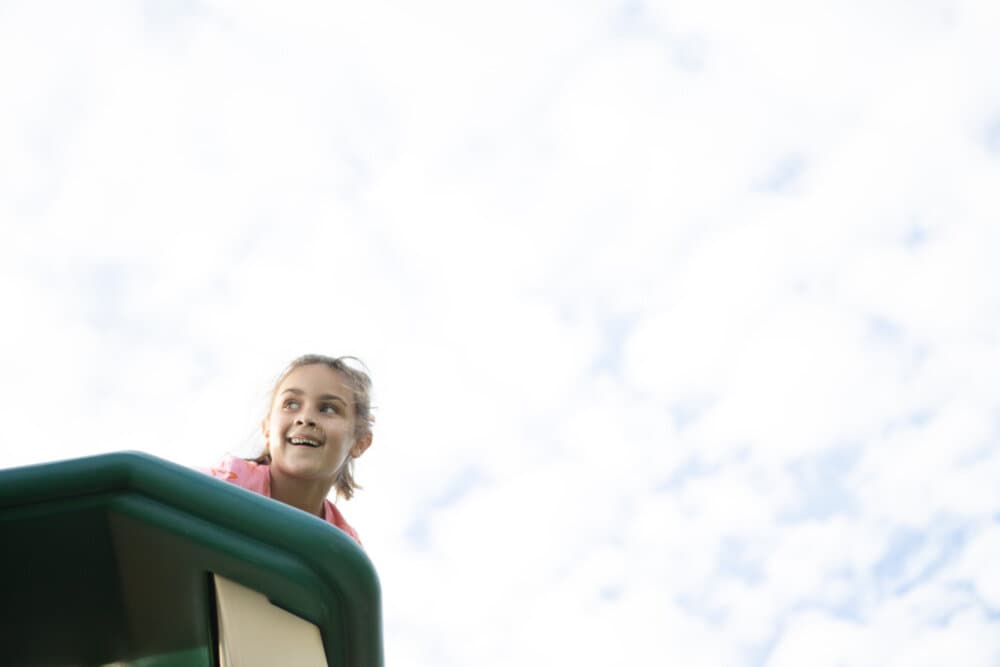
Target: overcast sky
[[683, 317]]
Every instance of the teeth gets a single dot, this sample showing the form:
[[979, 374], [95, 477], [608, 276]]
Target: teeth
[[303, 441]]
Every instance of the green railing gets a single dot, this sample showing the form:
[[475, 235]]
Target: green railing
[[110, 559]]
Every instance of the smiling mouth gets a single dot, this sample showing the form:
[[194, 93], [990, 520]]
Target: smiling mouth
[[304, 442]]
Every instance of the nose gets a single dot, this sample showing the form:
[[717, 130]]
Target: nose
[[305, 419]]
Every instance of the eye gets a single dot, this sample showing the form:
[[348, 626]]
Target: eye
[[331, 408], [290, 404]]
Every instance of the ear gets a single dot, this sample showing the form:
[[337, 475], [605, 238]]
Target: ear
[[263, 428], [360, 445]]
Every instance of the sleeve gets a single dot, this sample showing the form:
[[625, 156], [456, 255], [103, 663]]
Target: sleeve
[[223, 470], [334, 517]]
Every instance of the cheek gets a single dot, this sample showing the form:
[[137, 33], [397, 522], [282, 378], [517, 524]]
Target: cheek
[[272, 429]]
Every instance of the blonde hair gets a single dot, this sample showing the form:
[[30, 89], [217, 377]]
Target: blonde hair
[[361, 387]]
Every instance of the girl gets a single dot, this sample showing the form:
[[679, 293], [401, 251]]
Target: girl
[[319, 420]]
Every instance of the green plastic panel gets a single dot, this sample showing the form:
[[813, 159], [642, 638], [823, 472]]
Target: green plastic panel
[[109, 559]]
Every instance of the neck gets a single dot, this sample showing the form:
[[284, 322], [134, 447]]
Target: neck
[[306, 495]]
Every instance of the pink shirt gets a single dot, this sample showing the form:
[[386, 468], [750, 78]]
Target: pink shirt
[[257, 478]]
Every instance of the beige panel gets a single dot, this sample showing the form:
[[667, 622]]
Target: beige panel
[[255, 633]]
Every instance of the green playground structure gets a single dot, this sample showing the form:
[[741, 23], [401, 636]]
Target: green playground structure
[[127, 559]]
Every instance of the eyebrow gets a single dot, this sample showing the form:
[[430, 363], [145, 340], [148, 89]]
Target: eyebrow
[[324, 397]]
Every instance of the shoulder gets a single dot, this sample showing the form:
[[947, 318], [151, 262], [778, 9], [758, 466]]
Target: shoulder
[[333, 515], [249, 475]]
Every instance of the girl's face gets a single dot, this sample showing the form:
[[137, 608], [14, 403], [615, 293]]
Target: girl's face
[[310, 429]]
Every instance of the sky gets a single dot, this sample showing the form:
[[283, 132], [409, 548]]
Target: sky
[[682, 317]]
